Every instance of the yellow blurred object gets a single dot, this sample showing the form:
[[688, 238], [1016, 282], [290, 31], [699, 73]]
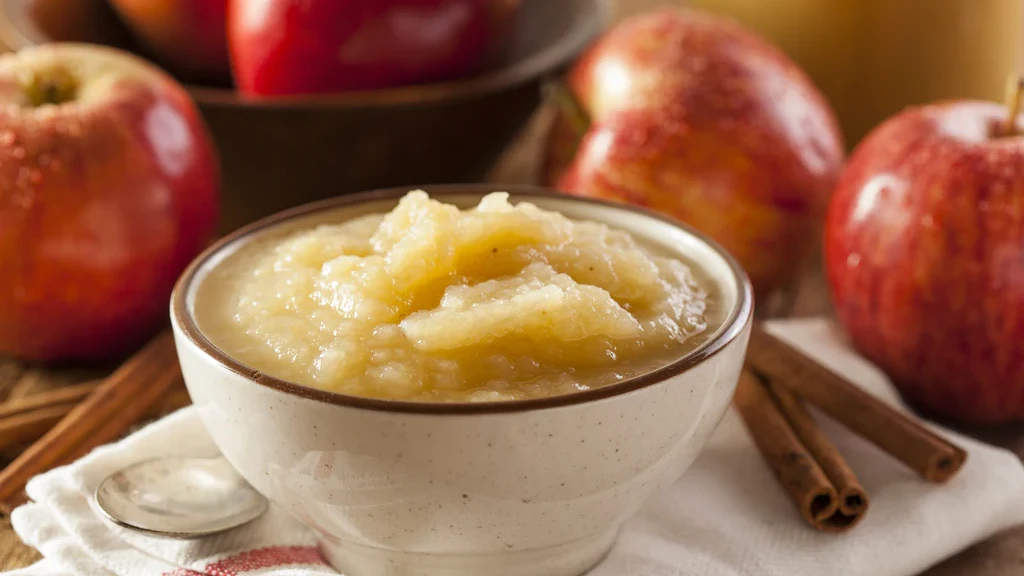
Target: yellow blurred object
[[872, 58]]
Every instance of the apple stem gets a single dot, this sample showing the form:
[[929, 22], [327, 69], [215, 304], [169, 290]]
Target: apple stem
[[559, 94], [1014, 90]]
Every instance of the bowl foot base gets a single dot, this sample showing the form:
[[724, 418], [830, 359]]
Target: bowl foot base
[[570, 559]]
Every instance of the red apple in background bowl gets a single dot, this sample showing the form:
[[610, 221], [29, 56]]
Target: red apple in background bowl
[[924, 247], [188, 36], [281, 47], [108, 188], [698, 118]]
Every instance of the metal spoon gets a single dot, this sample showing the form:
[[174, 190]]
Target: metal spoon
[[179, 497]]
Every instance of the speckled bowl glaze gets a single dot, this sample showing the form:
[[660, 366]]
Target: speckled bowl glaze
[[527, 488]]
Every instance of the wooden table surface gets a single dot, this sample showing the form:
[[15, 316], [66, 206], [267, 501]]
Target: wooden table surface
[[1002, 555]]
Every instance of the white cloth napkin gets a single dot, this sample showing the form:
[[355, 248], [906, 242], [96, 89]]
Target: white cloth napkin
[[727, 516]]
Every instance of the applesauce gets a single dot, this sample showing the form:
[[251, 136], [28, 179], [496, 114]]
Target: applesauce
[[433, 303]]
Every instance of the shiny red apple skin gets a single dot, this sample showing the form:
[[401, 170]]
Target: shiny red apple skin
[[924, 248], [695, 117], [189, 36], [283, 47], [103, 201]]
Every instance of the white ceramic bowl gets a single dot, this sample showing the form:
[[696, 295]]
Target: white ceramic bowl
[[527, 488]]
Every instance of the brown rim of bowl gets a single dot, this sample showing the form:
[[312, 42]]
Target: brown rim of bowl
[[18, 31], [738, 317]]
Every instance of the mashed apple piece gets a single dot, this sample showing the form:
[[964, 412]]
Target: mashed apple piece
[[433, 303], [537, 303]]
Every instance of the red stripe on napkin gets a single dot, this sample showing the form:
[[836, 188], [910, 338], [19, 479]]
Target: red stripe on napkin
[[257, 559]]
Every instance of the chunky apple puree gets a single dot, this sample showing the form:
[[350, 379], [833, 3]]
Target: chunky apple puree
[[433, 303]]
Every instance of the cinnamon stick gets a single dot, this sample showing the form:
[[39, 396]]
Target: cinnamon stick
[[852, 500], [935, 459], [113, 407], [26, 419], [150, 396], [55, 397], [21, 429], [793, 464]]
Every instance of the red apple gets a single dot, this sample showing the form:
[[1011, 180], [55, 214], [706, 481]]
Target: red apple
[[189, 36], [696, 117], [924, 247], [305, 46], [108, 188]]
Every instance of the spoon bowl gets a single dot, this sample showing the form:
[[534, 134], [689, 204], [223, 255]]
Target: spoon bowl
[[179, 497]]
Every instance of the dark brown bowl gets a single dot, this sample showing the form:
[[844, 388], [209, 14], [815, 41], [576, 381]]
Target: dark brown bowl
[[283, 152]]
